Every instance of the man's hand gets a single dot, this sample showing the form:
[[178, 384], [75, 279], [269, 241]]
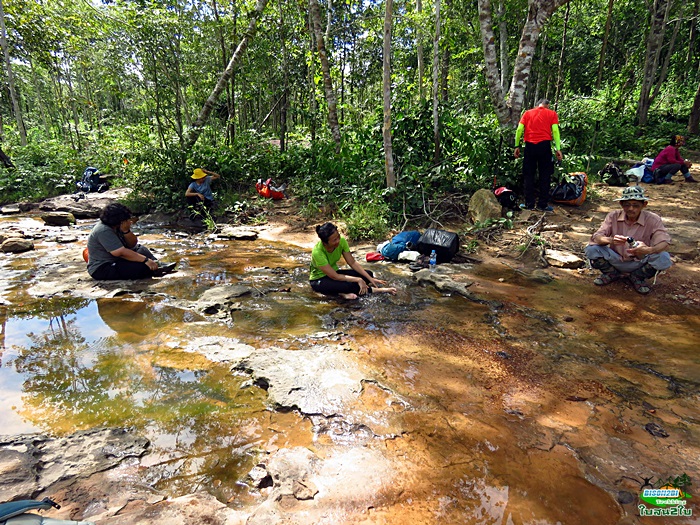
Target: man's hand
[[640, 250], [559, 155], [516, 153], [618, 239]]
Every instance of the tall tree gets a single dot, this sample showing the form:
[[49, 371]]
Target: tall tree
[[562, 54], [508, 108], [331, 100], [386, 129], [198, 125], [603, 47], [669, 53], [694, 120], [503, 39], [11, 79], [436, 91], [419, 50], [655, 40]]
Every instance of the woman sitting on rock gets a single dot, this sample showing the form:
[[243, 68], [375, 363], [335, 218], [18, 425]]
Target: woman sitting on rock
[[114, 252], [669, 162], [324, 275]]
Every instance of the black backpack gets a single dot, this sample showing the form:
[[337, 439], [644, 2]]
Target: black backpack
[[612, 175], [92, 181]]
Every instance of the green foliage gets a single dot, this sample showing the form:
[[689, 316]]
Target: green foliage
[[505, 223], [367, 220], [680, 482]]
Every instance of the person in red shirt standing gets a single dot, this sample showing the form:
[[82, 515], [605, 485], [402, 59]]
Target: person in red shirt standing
[[669, 161], [540, 125]]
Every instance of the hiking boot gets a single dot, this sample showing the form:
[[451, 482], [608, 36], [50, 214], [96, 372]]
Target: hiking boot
[[690, 178], [525, 207], [606, 278], [545, 209], [639, 284], [639, 276]]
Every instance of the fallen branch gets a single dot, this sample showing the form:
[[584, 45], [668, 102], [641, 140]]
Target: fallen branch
[[533, 232]]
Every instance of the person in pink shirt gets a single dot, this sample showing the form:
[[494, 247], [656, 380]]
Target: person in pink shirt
[[669, 161], [632, 241]]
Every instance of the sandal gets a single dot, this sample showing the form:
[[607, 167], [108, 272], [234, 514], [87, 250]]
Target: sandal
[[639, 285], [606, 278]]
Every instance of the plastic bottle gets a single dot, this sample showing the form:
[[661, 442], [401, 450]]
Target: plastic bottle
[[632, 242], [433, 260]]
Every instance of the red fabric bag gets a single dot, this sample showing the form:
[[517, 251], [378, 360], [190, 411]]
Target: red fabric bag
[[374, 256]]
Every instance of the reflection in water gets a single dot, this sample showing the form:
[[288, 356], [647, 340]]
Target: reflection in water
[[107, 364]]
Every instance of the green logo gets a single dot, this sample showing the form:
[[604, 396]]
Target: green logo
[[668, 499]]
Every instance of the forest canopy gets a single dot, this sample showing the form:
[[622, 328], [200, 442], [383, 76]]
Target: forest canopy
[[329, 96]]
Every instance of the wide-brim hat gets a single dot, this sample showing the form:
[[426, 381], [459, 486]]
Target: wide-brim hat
[[198, 174], [633, 193]]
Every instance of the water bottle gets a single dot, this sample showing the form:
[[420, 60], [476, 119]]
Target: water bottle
[[433, 260], [632, 242]]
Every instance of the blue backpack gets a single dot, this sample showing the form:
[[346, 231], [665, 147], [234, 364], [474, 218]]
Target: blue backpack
[[400, 242]]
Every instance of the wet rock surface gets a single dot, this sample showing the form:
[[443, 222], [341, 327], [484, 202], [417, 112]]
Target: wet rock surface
[[34, 464]]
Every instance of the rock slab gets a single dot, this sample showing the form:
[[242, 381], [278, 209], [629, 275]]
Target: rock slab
[[16, 245], [562, 259]]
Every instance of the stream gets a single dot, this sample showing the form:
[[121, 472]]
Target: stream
[[539, 404]]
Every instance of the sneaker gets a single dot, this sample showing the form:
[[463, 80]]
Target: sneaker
[[606, 278], [690, 178], [639, 284], [526, 207], [546, 208]]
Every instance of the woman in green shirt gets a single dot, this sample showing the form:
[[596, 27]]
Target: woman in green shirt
[[324, 275]]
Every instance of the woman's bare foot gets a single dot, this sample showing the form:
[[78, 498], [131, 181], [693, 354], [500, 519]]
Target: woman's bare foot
[[392, 291], [348, 296]]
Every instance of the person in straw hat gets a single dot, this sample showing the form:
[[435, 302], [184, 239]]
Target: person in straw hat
[[630, 241], [199, 191]]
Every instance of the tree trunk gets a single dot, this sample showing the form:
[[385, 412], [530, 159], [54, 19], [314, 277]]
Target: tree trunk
[[329, 21], [503, 40], [315, 13], [312, 84], [436, 70], [285, 81], [694, 120], [560, 68], [655, 40], [224, 55], [197, 126], [11, 79], [386, 130], [74, 109], [692, 39], [539, 11], [445, 72], [669, 53], [40, 101], [606, 35], [419, 51], [535, 95]]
